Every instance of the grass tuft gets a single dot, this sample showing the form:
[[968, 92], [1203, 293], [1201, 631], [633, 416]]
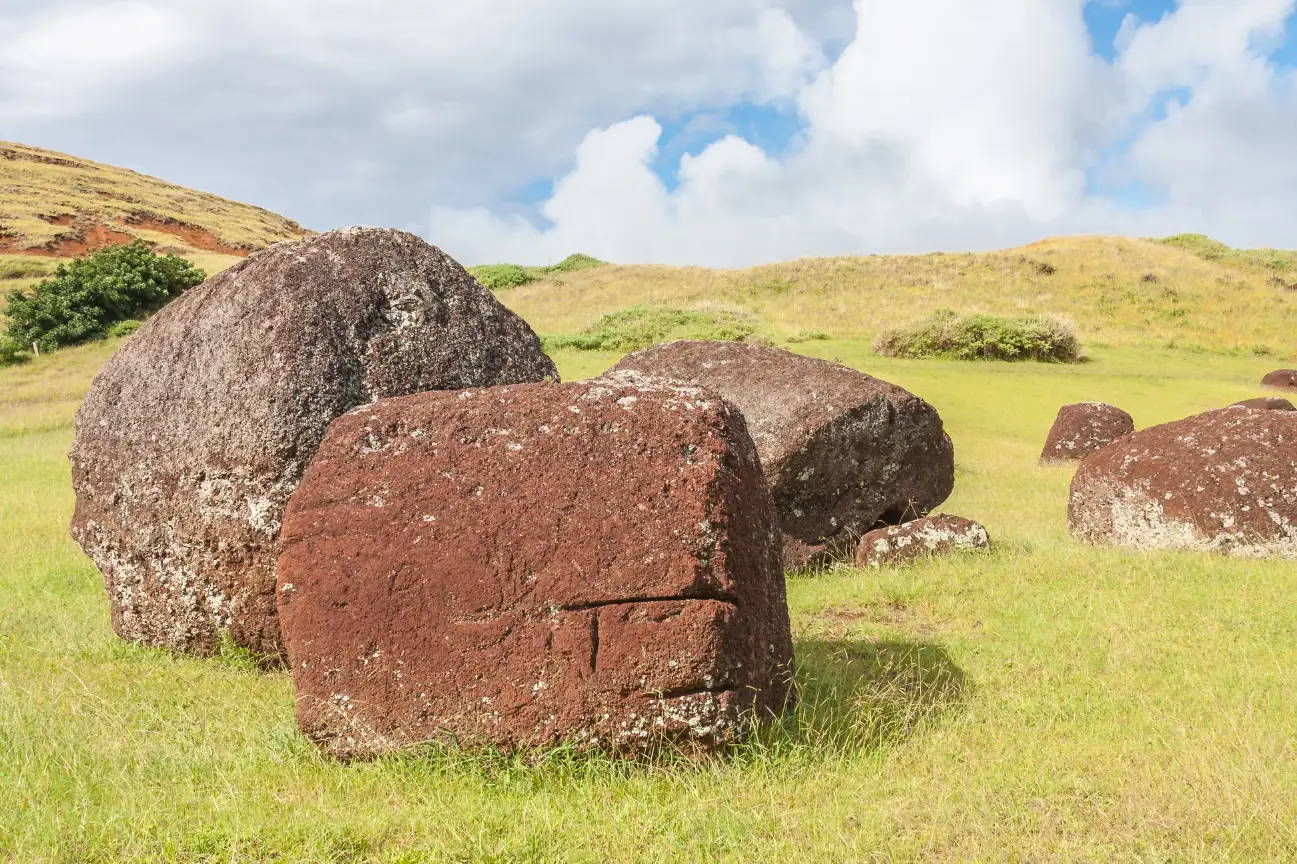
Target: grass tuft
[[983, 337]]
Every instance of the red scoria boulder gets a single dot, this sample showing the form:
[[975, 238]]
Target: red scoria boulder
[[842, 451], [594, 563], [1081, 429], [921, 538], [196, 432], [1281, 379], [1221, 481], [1266, 403]]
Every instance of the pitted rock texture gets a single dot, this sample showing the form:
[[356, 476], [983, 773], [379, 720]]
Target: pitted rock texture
[[198, 429], [1081, 429], [843, 452], [921, 538], [1266, 403], [594, 563], [1221, 481], [1281, 379]]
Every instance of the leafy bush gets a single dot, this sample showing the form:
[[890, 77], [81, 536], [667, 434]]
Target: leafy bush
[[12, 353], [498, 277], [642, 326], [86, 297], [123, 328], [576, 261], [984, 337], [807, 336]]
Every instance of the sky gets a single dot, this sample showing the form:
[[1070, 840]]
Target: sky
[[721, 133]]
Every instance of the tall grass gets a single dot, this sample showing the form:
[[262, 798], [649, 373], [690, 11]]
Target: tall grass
[[1044, 702]]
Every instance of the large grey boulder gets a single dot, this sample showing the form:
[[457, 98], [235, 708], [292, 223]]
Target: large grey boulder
[[199, 428], [842, 451]]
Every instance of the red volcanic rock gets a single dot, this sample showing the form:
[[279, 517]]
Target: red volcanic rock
[[933, 535], [197, 430], [1081, 429], [1281, 379], [595, 563], [1266, 403], [842, 451], [1222, 481]]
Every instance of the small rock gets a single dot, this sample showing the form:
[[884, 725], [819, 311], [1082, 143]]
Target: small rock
[[1281, 379], [1081, 429], [932, 535], [601, 568], [1266, 403]]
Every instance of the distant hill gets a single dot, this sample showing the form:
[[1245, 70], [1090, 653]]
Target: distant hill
[[54, 205]]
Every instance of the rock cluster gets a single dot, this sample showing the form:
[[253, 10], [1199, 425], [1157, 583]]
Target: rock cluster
[[596, 563], [921, 538], [1081, 429], [198, 429], [1221, 481], [842, 451]]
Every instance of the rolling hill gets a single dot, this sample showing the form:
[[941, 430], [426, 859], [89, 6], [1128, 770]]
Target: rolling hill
[[53, 205]]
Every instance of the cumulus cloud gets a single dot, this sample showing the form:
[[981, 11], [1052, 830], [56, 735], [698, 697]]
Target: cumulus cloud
[[927, 124], [945, 124], [335, 111]]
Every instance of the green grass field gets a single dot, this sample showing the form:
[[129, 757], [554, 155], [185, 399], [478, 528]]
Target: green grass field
[[1043, 702]]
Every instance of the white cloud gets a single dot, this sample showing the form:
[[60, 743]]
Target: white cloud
[[946, 124]]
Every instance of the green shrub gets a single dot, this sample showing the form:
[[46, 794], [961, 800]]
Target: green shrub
[[983, 337], [807, 336], [576, 261], [642, 326], [123, 328], [1213, 250], [11, 352], [87, 296], [499, 277]]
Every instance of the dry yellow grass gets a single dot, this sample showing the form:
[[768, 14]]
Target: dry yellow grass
[[1118, 291], [51, 200]]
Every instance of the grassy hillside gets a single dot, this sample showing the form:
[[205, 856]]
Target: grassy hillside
[[52, 204], [57, 206], [1047, 702], [1119, 292]]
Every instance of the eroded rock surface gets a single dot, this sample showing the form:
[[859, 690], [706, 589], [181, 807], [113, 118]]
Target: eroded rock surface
[[197, 430], [1281, 379], [1267, 403], [1081, 429], [1221, 481], [595, 563], [920, 538], [842, 451]]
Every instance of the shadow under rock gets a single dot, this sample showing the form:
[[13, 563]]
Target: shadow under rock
[[859, 695]]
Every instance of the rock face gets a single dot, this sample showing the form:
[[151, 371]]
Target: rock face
[[933, 535], [595, 563], [1266, 403], [1281, 379], [198, 429], [1222, 481], [842, 451], [1081, 429]]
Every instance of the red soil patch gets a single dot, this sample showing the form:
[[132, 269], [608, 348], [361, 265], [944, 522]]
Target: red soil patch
[[199, 238], [94, 237]]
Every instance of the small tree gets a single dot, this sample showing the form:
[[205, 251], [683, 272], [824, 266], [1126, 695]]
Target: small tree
[[87, 296]]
